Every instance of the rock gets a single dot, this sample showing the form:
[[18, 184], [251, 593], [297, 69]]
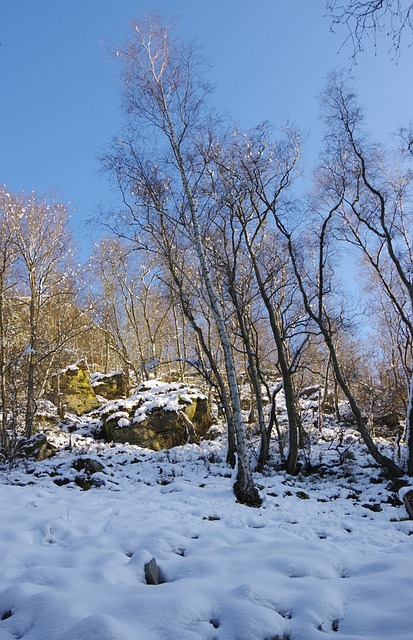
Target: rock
[[87, 468], [160, 430], [110, 385], [310, 392], [408, 503], [152, 573], [88, 465], [37, 447], [46, 415], [388, 425], [198, 412], [86, 483], [71, 390], [157, 417]]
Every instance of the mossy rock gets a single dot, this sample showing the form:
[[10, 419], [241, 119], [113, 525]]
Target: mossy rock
[[160, 430], [198, 412], [159, 427], [46, 419], [71, 388], [88, 465]]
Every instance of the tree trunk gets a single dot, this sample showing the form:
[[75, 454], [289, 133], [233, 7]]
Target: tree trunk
[[381, 459], [231, 440], [4, 407], [409, 430], [244, 487], [30, 403], [290, 399], [253, 375]]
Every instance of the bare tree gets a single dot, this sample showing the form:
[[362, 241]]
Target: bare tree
[[376, 208], [132, 309], [348, 189], [390, 349], [315, 285], [235, 278], [39, 231], [165, 94], [256, 172], [372, 18]]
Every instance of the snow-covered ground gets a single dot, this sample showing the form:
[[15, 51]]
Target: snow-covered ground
[[326, 556]]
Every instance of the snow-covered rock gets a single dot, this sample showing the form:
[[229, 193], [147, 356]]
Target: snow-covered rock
[[158, 416], [109, 385]]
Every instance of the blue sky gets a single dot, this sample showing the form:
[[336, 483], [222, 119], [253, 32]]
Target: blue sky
[[60, 95]]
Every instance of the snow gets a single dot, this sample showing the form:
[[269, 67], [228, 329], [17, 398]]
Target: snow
[[326, 556]]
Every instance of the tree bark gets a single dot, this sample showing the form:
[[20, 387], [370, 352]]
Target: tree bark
[[409, 430]]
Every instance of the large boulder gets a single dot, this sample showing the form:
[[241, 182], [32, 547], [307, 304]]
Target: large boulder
[[71, 390], [158, 416]]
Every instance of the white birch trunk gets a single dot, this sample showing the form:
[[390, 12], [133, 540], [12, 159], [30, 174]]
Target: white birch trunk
[[154, 99], [244, 487], [409, 430]]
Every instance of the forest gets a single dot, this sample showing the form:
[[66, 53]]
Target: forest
[[222, 265], [206, 428]]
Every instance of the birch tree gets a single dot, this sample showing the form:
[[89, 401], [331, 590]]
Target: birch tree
[[165, 98], [373, 19], [253, 175], [376, 207]]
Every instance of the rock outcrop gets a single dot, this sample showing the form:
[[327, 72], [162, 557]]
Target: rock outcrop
[[71, 390], [158, 416]]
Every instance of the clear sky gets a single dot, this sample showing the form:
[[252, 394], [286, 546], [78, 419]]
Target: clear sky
[[60, 94]]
